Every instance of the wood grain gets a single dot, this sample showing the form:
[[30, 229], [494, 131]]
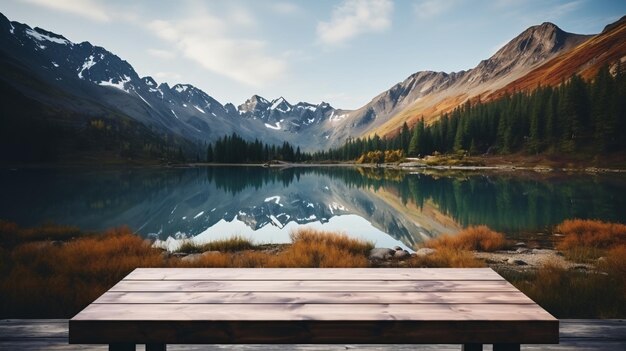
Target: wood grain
[[322, 312], [311, 285], [500, 297], [315, 306], [341, 274]]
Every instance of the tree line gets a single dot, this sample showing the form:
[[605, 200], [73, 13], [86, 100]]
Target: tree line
[[235, 149], [578, 116]]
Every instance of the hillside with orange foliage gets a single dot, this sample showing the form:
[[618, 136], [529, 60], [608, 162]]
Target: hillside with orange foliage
[[606, 48]]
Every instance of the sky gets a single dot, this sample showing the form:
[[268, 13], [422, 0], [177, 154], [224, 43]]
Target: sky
[[343, 52]]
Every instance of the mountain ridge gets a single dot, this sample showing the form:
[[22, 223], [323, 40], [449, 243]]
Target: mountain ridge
[[89, 81]]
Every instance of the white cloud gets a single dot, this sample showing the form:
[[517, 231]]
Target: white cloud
[[167, 76], [89, 9], [284, 8], [428, 9], [162, 54], [355, 17], [208, 41]]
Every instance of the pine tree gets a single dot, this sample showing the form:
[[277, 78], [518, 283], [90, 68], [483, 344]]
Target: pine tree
[[209, 153]]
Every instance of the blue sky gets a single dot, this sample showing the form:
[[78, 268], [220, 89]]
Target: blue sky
[[344, 52]]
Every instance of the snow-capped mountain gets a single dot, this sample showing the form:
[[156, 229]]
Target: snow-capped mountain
[[78, 85], [93, 82]]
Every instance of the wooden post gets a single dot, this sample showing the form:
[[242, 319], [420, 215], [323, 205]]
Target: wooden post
[[156, 347], [121, 347], [506, 347], [472, 347]]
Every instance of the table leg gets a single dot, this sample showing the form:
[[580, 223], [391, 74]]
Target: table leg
[[156, 347], [472, 347], [506, 347], [121, 347]]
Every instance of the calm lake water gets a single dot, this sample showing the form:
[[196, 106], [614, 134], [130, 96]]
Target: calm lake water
[[388, 207]]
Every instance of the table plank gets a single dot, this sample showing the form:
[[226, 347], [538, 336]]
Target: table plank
[[502, 297], [342, 274], [319, 312], [311, 285], [225, 305]]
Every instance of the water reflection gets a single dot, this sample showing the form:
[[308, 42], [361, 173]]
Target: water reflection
[[382, 205]]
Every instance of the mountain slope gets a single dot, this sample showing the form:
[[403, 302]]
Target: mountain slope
[[606, 48], [89, 82], [429, 94]]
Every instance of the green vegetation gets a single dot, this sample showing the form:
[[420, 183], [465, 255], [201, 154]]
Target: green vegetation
[[576, 117], [235, 149]]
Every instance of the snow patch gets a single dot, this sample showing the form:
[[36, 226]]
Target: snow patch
[[86, 66], [55, 64], [144, 100], [198, 215], [199, 109], [174, 113], [276, 199], [276, 221], [275, 127], [119, 85], [180, 88], [43, 37]]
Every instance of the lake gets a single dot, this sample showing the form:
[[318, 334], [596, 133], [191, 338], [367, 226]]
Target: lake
[[389, 207]]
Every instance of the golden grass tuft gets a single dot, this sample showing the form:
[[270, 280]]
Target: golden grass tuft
[[236, 243], [446, 257], [43, 279], [479, 238], [312, 248], [585, 240], [582, 232]]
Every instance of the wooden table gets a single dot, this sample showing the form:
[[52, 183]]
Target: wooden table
[[472, 306]]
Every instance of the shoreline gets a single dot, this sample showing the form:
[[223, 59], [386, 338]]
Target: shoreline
[[408, 165]]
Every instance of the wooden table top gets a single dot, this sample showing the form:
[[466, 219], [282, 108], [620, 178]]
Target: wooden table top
[[308, 305]]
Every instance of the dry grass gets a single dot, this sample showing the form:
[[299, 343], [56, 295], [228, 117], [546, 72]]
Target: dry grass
[[572, 294], [586, 240], [42, 278], [46, 279], [11, 234], [446, 257], [479, 238], [236, 243]]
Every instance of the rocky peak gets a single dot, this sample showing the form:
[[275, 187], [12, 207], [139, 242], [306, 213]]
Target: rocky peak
[[149, 81], [255, 103], [281, 105], [533, 46], [619, 22]]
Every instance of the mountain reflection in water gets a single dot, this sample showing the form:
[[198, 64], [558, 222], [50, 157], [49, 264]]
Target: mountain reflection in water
[[386, 206]]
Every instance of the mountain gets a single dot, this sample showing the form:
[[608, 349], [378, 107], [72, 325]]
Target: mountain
[[429, 93], [59, 97], [72, 87], [586, 59]]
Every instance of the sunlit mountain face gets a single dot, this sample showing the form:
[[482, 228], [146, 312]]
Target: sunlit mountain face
[[387, 207]]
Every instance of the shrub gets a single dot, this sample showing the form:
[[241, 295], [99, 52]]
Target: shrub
[[236, 243], [584, 240], [446, 257], [580, 232], [479, 238]]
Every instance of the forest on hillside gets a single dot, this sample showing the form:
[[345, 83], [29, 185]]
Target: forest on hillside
[[577, 116]]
